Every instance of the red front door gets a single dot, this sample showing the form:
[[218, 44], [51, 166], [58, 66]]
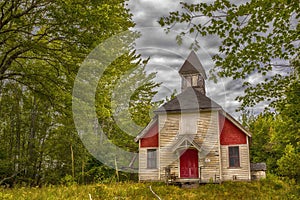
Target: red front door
[[189, 164]]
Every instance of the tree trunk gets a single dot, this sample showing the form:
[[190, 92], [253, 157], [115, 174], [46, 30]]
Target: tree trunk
[[18, 134], [31, 141], [72, 158]]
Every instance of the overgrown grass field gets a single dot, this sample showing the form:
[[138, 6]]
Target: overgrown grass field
[[265, 189]]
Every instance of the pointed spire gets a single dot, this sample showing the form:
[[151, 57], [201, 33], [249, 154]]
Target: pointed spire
[[192, 65], [193, 73]]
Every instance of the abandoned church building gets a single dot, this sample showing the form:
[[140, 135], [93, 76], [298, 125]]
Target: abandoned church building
[[191, 138]]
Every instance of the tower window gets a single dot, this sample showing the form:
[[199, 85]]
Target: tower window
[[188, 81], [194, 80]]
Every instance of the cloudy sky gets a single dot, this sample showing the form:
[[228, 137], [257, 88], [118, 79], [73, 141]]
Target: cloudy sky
[[166, 57]]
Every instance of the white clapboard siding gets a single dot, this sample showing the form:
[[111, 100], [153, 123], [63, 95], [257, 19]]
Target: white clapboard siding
[[144, 173], [206, 136], [169, 127], [209, 138], [241, 173], [210, 167]]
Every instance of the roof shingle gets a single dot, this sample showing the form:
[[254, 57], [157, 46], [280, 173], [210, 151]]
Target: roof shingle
[[192, 65], [189, 100]]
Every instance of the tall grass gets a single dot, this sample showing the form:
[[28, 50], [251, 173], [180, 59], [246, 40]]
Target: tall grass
[[271, 188]]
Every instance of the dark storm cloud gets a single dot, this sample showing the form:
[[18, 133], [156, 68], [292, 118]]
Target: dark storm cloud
[[156, 36], [147, 12], [166, 56]]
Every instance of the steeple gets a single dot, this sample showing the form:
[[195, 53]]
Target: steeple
[[193, 74]]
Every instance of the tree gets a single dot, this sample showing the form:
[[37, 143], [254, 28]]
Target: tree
[[264, 146], [42, 44], [256, 38], [276, 136], [288, 164], [123, 105], [56, 35]]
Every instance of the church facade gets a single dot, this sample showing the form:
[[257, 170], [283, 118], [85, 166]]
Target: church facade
[[191, 138]]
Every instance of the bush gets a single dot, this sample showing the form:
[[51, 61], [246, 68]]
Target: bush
[[68, 180]]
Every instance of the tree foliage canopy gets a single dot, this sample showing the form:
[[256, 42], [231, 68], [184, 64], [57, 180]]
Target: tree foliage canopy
[[42, 44], [257, 37], [54, 35], [276, 137]]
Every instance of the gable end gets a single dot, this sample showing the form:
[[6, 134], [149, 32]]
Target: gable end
[[150, 139], [230, 133]]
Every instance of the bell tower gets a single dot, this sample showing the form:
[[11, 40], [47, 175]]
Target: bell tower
[[192, 74]]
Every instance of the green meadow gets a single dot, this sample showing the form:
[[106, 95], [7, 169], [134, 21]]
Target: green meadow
[[270, 188]]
